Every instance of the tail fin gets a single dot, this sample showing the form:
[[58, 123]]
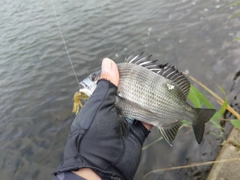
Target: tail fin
[[203, 116]]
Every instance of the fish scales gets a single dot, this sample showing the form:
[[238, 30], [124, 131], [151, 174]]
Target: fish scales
[[150, 91], [155, 94]]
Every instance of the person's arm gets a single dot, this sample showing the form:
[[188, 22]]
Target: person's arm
[[87, 173], [96, 147]]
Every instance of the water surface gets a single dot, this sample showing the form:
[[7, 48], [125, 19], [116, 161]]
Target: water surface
[[37, 82]]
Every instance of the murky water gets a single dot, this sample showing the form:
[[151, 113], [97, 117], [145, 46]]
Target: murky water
[[37, 82]]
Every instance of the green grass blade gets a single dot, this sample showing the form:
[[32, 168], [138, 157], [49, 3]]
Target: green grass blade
[[236, 39], [152, 143], [236, 123], [186, 123], [218, 115], [197, 98], [216, 124], [220, 112], [233, 4], [222, 90], [234, 15], [193, 98]]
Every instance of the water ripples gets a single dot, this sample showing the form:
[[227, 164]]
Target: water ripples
[[37, 82]]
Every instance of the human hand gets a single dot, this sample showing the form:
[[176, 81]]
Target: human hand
[[96, 146], [110, 72]]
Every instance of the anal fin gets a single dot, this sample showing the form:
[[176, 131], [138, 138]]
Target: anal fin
[[170, 131]]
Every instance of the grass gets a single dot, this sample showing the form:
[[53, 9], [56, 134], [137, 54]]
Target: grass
[[192, 165], [234, 15], [199, 100], [224, 105]]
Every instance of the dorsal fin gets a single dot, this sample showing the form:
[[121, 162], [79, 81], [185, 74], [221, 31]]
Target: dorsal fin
[[171, 73], [144, 61], [165, 70]]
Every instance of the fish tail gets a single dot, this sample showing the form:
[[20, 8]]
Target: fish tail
[[203, 116]]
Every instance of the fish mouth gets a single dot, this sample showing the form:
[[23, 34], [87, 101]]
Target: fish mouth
[[84, 88], [82, 85]]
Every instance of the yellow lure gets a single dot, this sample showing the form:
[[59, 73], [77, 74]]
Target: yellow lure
[[77, 105]]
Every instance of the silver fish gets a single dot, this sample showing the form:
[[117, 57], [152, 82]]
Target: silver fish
[[154, 94]]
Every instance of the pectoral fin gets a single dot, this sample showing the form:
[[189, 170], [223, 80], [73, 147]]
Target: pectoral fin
[[170, 131]]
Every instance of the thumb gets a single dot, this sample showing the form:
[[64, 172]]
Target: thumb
[[110, 71]]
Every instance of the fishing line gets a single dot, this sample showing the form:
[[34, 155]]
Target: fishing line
[[64, 42]]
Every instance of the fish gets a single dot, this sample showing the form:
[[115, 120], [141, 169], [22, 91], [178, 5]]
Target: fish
[[155, 94]]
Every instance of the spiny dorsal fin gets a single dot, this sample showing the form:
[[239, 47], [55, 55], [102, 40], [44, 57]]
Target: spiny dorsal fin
[[144, 61], [170, 131], [165, 70], [171, 73]]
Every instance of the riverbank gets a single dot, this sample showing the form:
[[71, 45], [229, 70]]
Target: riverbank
[[228, 158]]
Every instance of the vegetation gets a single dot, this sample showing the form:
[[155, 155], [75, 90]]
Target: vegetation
[[224, 104], [234, 14], [237, 3], [199, 100]]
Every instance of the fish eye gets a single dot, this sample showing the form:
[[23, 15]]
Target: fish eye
[[93, 77]]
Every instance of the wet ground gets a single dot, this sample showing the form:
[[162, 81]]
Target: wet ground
[[37, 82]]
